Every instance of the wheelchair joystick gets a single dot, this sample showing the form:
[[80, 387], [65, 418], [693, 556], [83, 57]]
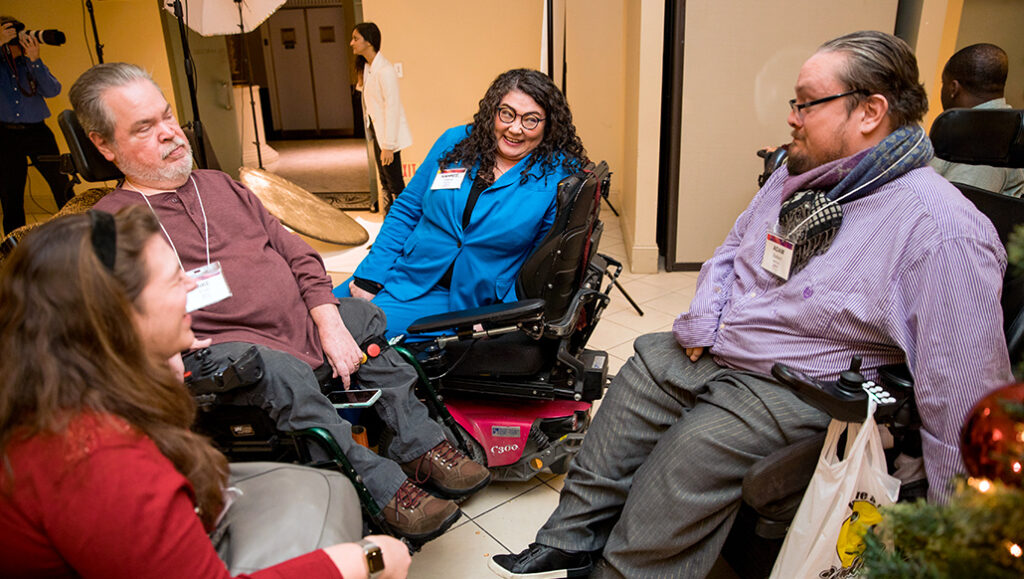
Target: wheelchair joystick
[[852, 381], [206, 365], [845, 399], [205, 375]]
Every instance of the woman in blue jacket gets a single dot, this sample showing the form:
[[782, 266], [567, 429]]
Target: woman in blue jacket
[[476, 208]]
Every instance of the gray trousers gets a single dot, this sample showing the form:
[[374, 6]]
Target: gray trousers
[[658, 481], [290, 394], [283, 511]]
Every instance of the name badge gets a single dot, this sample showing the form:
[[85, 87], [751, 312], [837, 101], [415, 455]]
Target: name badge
[[778, 256], [211, 287], [448, 179]]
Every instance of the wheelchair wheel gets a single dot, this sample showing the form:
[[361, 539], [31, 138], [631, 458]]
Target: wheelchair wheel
[[474, 450]]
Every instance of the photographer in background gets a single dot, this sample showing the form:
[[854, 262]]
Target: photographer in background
[[25, 83]]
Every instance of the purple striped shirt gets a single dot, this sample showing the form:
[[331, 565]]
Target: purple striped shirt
[[914, 274]]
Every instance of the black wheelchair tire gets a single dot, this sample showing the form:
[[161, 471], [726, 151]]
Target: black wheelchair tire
[[475, 450]]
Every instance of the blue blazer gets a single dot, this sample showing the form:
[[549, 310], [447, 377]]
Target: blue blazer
[[423, 232]]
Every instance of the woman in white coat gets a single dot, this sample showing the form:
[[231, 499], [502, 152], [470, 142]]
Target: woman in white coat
[[382, 107]]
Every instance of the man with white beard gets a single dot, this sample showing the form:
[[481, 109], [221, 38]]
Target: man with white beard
[[266, 287]]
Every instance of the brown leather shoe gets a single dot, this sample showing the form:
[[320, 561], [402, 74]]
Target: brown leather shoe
[[417, 515], [450, 472]]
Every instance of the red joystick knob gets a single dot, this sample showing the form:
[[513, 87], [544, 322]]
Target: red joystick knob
[[373, 350]]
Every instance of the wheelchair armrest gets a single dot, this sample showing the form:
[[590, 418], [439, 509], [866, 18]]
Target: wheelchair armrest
[[775, 485], [849, 403], [504, 313]]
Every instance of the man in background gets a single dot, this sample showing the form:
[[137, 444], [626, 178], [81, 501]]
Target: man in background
[[25, 83], [975, 78]]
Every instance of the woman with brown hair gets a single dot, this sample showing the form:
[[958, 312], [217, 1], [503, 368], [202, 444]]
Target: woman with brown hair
[[100, 474]]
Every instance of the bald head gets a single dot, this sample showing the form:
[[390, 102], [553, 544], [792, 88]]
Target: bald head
[[974, 75]]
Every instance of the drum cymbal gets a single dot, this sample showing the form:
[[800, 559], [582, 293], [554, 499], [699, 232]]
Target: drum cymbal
[[302, 211]]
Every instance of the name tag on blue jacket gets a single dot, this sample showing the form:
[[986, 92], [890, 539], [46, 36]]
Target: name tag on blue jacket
[[448, 179]]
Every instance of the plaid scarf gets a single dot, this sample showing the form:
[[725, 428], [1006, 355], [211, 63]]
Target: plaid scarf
[[812, 206]]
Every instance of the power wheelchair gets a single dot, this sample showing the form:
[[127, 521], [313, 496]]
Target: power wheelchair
[[516, 392], [773, 488]]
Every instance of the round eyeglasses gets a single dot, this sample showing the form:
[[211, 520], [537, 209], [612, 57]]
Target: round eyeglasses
[[798, 108], [529, 121]]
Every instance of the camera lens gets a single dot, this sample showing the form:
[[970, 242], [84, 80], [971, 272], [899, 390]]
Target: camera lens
[[51, 36]]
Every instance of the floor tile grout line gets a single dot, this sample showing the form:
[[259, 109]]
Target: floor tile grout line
[[539, 483], [496, 540], [559, 491]]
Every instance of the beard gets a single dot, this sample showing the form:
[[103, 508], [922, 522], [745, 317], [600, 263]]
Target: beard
[[798, 163], [800, 160], [176, 173]]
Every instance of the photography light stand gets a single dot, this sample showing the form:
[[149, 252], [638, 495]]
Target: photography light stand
[[95, 34], [248, 68], [197, 127]]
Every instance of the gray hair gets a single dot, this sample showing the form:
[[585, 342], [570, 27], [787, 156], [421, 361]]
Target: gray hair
[[880, 63], [87, 94]]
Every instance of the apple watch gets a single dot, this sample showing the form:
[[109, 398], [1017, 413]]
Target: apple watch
[[374, 558]]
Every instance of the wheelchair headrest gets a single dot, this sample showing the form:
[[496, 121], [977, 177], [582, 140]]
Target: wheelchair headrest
[[89, 163], [980, 137], [554, 271]]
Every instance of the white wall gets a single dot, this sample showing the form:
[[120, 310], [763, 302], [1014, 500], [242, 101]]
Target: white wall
[[740, 63]]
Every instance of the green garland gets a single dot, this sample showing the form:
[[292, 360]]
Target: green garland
[[970, 537]]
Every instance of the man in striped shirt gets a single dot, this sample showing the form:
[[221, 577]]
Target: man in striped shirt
[[886, 261]]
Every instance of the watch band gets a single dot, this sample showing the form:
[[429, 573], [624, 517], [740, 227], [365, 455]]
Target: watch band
[[374, 557]]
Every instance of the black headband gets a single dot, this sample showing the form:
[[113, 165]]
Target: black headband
[[104, 237]]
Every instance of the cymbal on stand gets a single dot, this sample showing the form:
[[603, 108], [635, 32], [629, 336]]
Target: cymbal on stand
[[302, 211]]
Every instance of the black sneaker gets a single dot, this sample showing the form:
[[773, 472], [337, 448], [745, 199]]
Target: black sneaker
[[542, 562]]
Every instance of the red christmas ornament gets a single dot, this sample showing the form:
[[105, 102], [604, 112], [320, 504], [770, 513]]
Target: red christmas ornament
[[992, 440]]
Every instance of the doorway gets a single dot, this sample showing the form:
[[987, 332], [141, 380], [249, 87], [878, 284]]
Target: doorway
[[312, 111]]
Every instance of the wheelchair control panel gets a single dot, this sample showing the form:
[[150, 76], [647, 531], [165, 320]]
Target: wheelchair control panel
[[206, 376], [847, 398]]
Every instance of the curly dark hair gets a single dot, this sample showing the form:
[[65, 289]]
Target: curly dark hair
[[560, 145]]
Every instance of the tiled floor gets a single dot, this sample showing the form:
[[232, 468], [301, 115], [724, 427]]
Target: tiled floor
[[505, 516]]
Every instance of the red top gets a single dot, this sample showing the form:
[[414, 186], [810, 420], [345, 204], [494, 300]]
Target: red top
[[99, 500]]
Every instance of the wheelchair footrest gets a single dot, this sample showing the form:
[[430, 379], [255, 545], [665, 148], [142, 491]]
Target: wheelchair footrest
[[554, 458], [595, 368]]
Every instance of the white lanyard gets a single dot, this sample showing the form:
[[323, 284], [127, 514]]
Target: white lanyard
[[206, 224]]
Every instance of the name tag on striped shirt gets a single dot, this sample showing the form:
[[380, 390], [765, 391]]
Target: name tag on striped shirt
[[778, 256]]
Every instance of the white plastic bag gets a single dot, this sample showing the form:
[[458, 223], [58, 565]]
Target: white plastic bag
[[841, 504]]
